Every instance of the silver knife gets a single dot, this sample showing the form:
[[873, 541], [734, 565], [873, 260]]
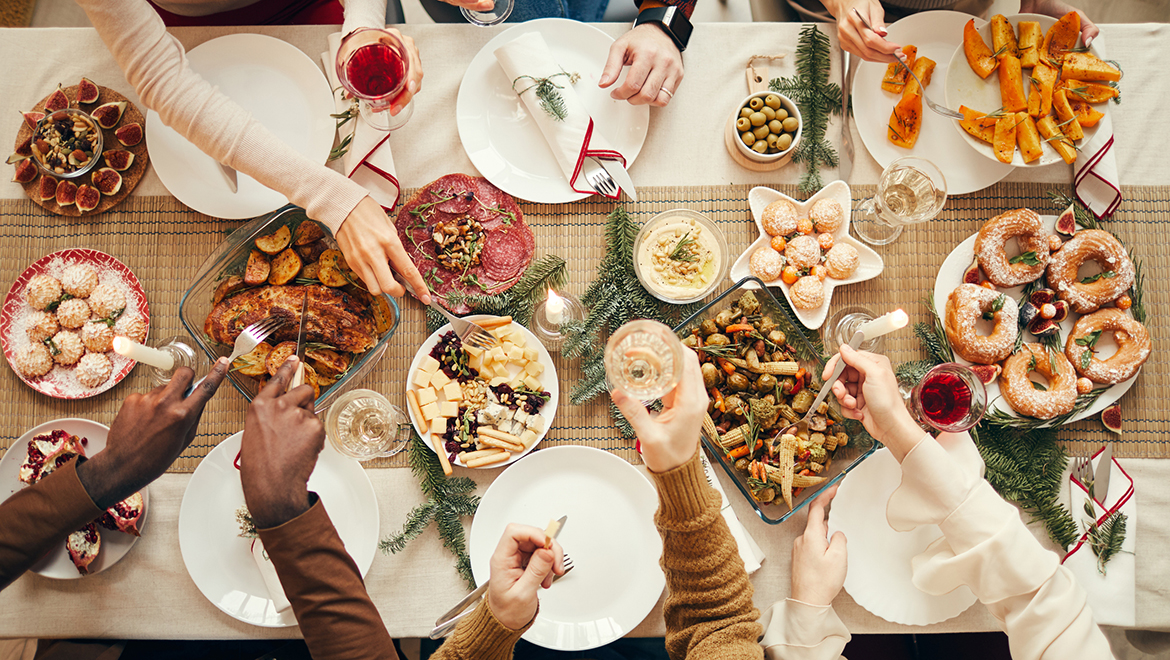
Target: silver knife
[[845, 158], [229, 175], [1101, 474], [299, 374], [619, 174]]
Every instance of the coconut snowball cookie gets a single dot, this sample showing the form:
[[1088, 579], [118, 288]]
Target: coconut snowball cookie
[[827, 216], [79, 280], [807, 293], [842, 261], [42, 291], [133, 329], [106, 301], [41, 326], [93, 369], [69, 347], [803, 252], [779, 218], [73, 313], [34, 361], [97, 336], [766, 263]]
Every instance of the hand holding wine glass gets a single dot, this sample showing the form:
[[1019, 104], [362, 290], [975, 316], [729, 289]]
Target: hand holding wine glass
[[670, 438], [868, 392], [381, 68]]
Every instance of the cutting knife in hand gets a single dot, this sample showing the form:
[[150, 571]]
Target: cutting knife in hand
[[299, 376], [620, 175]]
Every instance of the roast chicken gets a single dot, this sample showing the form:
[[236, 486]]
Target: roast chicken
[[334, 317]]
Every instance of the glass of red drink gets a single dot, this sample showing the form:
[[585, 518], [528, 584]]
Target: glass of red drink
[[949, 398], [373, 65]]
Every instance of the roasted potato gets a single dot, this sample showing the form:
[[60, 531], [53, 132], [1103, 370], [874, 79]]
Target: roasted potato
[[331, 276], [227, 288], [313, 381], [285, 267], [328, 362], [383, 315], [274, 242], [278, 355], [308, 232], [333, 258], [256, 272], [313, 251], [309, 271], [254, 363]]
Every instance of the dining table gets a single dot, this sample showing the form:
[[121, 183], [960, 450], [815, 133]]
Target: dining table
[[683, 162]]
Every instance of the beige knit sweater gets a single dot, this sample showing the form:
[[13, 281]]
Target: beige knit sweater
[[156, 65]]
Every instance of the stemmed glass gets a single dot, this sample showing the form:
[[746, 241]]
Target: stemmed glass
[[644, 358], [373, 65], [949, 398], [363, 424], [844, 322], [497, 14], [183, 354], [911, 190]]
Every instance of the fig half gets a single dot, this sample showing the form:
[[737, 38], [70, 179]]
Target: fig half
[[987, 372], [109, 114], [107, 181], [87, 198], [87, 91], [119, 159], [973, 275], [1066, 224], [1111, 418], [130, 134], [48, 189], [26, 171], [66, 193], [57, 100]]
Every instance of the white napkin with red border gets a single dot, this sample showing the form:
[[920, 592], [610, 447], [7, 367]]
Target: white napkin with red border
[[271, 579], [1095, 177], [526, 59], [369, 161], [1112, 595], [749, 550]]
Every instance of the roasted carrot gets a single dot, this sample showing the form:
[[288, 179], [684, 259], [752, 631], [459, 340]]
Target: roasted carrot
[[725, 365], [738, 327]]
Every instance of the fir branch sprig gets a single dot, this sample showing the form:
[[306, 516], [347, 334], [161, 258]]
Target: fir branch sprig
[[933, 335], [1106, 539], [548, 93], [547, 272], [818, 100]]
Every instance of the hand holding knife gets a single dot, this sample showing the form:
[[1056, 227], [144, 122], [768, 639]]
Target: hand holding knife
[[299, 377]]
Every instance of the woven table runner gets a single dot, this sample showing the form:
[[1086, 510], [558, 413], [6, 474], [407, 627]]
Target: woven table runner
[[165, 243]]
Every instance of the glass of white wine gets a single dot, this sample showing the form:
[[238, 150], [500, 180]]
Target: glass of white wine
[[645, 359], [497, 14], [363, 424], [911, 190]]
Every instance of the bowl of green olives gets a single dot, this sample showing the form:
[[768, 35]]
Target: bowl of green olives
[[767, 126]]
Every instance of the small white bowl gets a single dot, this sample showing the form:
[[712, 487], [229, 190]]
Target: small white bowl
[[793, 111], [711, 228]]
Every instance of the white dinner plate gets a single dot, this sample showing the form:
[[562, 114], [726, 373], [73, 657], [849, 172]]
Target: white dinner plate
[[879, 577], [610, 536], [935, 33], [503, 142], [220, 561], [870, 265], [283, 89], [115, 545], [965, 87], [548, 379], [950, 275]]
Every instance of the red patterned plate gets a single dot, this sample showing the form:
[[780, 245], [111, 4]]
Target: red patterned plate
[[60, 382]]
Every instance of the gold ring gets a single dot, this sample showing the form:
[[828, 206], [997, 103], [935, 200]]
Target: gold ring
[[668, 92]]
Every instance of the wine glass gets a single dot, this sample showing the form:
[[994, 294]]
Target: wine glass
[[949, 398], [373, 65], [497, 14], [644, 358], [363, 424], [911, 190]]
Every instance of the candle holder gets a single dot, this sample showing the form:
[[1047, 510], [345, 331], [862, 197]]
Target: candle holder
[[549, 333], [843, 323], [184, 355]]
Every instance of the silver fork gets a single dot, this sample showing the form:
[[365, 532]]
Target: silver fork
[[940, 109], [598, 178], [442, 629], [468, 331], [1082, 471], [247, 341]]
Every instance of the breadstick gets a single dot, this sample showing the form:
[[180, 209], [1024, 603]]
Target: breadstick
[[472, 455], [442, 452], [502, 444], [492, 324], [488, 460], [499, 435], [412, 400]]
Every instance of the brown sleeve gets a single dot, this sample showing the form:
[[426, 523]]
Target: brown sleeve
[[37, 518], [479, 636], [709, 611], [321, 580]]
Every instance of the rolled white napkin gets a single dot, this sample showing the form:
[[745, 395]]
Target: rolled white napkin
[[369, 160], [1112, 595], [749, 550], [525, 60], [1095, 178], [271, 579]]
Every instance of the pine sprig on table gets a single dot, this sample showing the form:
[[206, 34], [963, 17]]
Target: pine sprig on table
[[547, 272], [449, 500], [1106, 539], [818, 100]]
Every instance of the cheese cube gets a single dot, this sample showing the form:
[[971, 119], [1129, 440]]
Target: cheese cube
[[500, 332], [514, 353], [532, 383], [531, 354], [421, 378], [449, 409], [517, 382], [438, 426], [498, 380], [427, 395], [439, 380], [498, 354], [430, 411], [429, 364], [520, 416], [534, 368], [453, 392], [507, 345], [501, 370], [528, 437], [475, 362], [535, 423], [472, 351]]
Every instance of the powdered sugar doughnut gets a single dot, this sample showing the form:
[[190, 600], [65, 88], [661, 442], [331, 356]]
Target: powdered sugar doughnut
[[965, 306], [41, 326], [132, 328], [42, 291], [1133, 346], [841, 261], [106, 301], [79, 280], [827, 215], [97, 336], [1090, 245], [1027, 228], [1017, 389], [69, 347], [34, 360], [807, 293], [766, 263], [803, 252], [779, 218], [93, 369], [73, 313]]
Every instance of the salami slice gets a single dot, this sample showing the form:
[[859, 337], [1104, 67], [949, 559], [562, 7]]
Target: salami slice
[[507, 252]]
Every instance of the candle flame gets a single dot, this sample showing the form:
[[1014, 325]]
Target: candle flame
[[121, 345], [552, 295], [900, 318]]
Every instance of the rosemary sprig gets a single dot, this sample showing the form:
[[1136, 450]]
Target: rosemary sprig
[[548, 93], [1084, 217], [682, 250]]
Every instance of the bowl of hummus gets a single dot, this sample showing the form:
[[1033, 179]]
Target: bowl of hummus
[[680, 256]]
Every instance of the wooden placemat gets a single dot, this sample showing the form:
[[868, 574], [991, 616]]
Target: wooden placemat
[[165, 243]]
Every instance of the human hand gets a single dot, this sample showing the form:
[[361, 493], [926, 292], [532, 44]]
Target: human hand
[[655, 63], [520, 567], [868, 391], [282, 438], [149, 433], [473, 5], [858, 39], [369, 241], [1056, 9], [414, 80], [818, 563], [671, 437]]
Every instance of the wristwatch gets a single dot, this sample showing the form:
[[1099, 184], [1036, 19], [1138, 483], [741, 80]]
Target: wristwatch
[[672, 21]]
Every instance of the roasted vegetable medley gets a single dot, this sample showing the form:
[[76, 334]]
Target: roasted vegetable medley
[[758, 390]]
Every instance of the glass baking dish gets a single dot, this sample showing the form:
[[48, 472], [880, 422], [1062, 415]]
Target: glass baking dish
[[860, 446], [229, 259]]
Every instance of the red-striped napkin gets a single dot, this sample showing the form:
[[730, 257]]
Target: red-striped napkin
[[1095, 178]]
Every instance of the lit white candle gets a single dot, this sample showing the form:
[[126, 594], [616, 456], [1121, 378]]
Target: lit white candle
[[883, 325], [144, 354], [554, 308]]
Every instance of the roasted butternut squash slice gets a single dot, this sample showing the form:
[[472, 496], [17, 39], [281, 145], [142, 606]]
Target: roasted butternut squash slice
[[1011, 84], [1027, 137], [924, 69], [1005, 138], [1031, 37], [896, 75], [1087, 66], [906, 121], [1066, 117], [1003, 37], [1043, 82], [1089, 92], [978, 54], [978, 124], [1061, 38], [1058, 140], [1087, 115]]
